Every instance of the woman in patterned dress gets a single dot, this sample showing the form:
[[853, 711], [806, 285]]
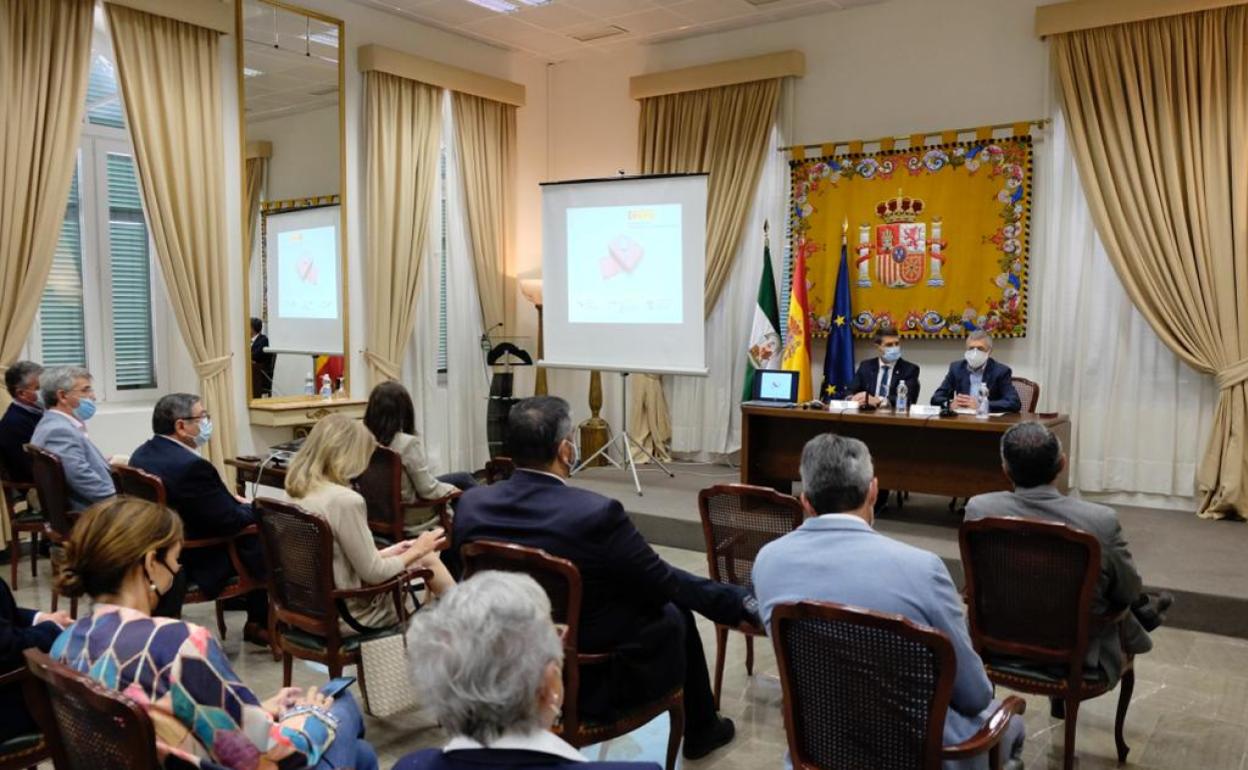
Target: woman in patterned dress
[[123, 553]]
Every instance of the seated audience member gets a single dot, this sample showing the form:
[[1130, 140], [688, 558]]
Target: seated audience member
[[1032, 457], [392, 419], [875, 383], [194, 489], [319, 481], [836, 556], [262, 363], [69, 401], [21, 629], [961, 385], [19, 421], [123, 553], [489, 662], [635, 604]]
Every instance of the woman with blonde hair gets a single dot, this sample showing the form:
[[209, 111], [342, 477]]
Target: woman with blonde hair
[[319, 480], [123, 553]]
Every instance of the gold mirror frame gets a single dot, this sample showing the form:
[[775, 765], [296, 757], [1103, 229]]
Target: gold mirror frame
[[240, 50]]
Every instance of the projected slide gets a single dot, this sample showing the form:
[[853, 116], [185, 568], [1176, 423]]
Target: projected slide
[[625, 264], [308, 273]]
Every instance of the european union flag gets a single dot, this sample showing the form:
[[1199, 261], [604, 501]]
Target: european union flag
[[838, 359]]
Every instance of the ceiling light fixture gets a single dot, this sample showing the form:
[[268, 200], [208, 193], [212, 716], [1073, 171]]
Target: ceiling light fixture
[[498, 6], [248, 72]]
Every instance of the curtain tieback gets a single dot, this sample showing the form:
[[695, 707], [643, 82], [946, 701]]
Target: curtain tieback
[[388, 368], [1235, 374], [213, 366]]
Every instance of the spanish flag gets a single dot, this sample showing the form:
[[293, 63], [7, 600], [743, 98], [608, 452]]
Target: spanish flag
[[797, 336]]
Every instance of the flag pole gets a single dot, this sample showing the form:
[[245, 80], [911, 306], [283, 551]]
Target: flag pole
[[844, 231]]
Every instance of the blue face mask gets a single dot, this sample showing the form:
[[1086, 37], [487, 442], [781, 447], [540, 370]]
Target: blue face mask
[[205, 432], [892, 354], [85, 409]]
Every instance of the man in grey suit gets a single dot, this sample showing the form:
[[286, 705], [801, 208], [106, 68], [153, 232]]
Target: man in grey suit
[[1032, 458], [836, 556], [69, 401]]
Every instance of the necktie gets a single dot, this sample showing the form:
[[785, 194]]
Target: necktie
[[882, 391]]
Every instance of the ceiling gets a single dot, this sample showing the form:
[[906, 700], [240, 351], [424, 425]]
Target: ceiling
[[290, 62], [564, 29]]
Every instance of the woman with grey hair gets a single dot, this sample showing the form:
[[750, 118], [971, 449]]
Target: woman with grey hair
[[489, 663]]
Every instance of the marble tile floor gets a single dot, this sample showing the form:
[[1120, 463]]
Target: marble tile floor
[[1189, 709]]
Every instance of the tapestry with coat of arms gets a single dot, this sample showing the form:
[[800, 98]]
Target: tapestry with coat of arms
[[938, 236]]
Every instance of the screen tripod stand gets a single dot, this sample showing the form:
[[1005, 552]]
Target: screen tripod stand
[[627, 443]]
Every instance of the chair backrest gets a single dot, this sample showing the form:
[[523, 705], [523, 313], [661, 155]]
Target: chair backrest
[[737, 521], [89, 726], [299, 554], [861, 689], [499, 469], [1029, 588], [137, 482], [381, 486], [53, 489], [1028, 393]]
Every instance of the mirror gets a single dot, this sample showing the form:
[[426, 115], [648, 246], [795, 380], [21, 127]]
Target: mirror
[[294, 225]]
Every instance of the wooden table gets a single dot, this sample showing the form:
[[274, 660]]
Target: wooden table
[[247, 470], [954, 456]]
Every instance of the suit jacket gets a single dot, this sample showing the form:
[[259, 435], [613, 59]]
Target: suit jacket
[[1002, 397], [86, 470], [627, 588], [869, 371], [16, 428], [436, 759], [257, 348], [1120, 582], [841, 559], [17, 633], [195, 490]]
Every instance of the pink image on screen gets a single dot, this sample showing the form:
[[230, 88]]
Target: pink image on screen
[[623, 255], [307, 271]]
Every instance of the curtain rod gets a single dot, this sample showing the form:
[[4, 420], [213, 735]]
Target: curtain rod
[[1039, 122]]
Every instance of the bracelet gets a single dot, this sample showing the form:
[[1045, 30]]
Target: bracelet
[[320, 713]]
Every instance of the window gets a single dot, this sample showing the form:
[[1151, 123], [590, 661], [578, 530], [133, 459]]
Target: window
[[97, 306], [443, 239]]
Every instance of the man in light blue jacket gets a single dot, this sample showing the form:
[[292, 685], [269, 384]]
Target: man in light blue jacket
[[69, 401], [836, 556]]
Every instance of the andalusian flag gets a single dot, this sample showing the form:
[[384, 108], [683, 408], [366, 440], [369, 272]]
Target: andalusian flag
[[764, 351], [797, 339]]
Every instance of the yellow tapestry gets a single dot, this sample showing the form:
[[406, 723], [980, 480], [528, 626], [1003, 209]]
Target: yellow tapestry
[[938, 236]]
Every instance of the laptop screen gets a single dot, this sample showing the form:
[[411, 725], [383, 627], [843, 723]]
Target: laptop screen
[[775, 386]]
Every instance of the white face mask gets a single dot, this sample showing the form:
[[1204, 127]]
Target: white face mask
[[976, 358]]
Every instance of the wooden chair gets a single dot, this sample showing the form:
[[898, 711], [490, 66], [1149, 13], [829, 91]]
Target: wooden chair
[[22, 751], [53, 491], [21, 519], [562, 581], [499, 469], [864, 689], [89, 726], [1028, 393], [304, 606], [381, 485], [137, 482], [737, 521], [1035, 640]]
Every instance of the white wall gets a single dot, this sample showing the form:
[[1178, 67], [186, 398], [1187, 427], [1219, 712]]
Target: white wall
[[305, 153]]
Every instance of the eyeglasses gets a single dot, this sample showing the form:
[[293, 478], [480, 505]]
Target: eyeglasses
[[196, 418]]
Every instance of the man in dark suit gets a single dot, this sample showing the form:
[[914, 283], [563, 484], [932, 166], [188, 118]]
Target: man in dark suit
[[261, 362], [21, 629], [961, 385], [877, 379], [635, 604], [195, 490], [19, 421]]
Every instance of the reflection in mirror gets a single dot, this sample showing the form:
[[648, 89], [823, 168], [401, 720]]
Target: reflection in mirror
[[294, 231]]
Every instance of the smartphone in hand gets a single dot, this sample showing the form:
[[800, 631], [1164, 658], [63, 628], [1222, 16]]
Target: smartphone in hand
[[335, 687]]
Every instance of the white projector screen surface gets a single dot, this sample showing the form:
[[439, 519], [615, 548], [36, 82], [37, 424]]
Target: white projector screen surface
[[304, 280], [623, 264]]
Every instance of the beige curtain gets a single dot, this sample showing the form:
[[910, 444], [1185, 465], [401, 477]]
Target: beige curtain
[[253, 182], [45, 54], [651, 420], [1158, 115], [170, 75], [486, 131], [403, 123]]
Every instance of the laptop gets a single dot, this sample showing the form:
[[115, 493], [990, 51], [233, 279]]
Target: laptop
[[774, 388]]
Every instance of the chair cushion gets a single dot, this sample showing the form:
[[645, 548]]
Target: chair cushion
[[349, 643], [20, 743], [28, 517], [1048, 673]]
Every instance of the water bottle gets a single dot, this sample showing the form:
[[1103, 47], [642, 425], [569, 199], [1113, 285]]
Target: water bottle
[[327, 390], [309, 385], [340, 391], [981, 406], [903, 398]]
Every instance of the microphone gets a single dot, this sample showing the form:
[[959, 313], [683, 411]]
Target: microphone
[[485, 337]]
